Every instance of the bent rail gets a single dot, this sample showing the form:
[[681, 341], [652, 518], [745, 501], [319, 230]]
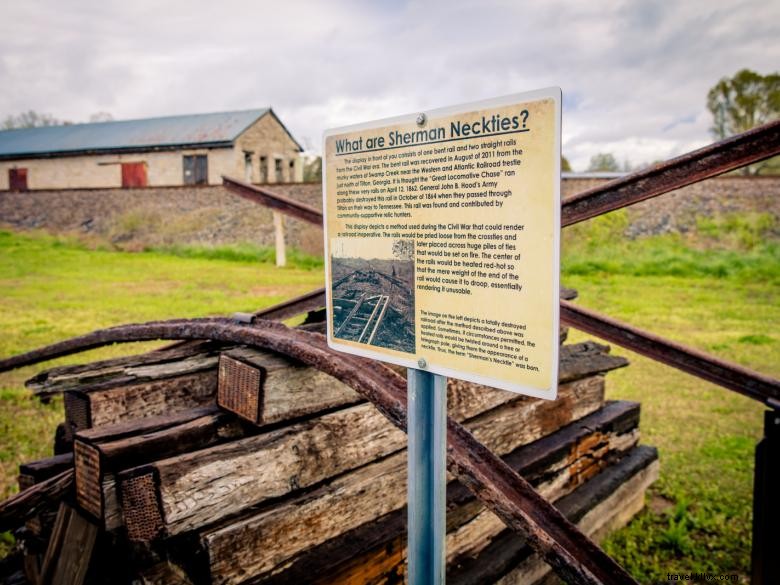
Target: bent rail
[[572, 555]]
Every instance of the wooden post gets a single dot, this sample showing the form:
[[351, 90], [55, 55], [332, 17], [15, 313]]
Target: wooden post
[[69, 553], [766, 510], [281, 259]]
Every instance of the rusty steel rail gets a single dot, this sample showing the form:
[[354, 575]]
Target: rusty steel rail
[[273, 200], [692, 361], [718, 158], [573, 556], [729, 375], [286, 309]]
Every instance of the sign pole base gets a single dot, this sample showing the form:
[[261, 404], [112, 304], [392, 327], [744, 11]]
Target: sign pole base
[[427, 482]]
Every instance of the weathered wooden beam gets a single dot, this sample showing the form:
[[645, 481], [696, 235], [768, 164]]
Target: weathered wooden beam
[[552, 463], [37, 471], [603, 503], [266, 388], [200, 488], [169, 361], [69, 553], [27, 504], [91, 407], [573, 556], [102, 451]]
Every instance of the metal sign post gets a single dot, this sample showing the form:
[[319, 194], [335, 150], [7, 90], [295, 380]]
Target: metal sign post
[[427, 481], [442, 239]]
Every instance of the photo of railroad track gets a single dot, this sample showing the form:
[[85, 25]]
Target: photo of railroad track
[[373, 291]]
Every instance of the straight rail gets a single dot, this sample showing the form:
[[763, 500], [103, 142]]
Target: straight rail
[[273, 200], [692, 361], [715, 159]]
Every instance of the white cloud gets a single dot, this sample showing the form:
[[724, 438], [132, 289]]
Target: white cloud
[[634, 73]]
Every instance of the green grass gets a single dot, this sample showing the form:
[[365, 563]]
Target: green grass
[[54, 288], [722, 297], [242, 253], [710, 289]]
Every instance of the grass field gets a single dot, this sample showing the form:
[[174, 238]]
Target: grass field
[[718, 291], [52, 289]]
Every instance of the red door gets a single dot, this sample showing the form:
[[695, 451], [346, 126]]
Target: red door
[[17, 179], [134, 174]]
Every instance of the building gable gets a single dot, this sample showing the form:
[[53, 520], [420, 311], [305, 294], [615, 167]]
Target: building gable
[[169, 133]]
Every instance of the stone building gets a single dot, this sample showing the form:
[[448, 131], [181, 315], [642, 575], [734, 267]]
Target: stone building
[[251, 145]]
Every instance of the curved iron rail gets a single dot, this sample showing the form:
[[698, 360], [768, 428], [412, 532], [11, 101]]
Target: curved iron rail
[[569, 552]]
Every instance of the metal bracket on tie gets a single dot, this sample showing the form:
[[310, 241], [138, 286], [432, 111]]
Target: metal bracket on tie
[[243, 318]]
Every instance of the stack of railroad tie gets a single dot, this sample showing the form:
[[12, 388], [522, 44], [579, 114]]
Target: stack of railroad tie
[[202, 463]]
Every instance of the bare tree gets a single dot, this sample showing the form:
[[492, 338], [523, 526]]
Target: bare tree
[[30, 119]]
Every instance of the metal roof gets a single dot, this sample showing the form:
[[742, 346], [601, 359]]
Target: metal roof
[[216, 129]]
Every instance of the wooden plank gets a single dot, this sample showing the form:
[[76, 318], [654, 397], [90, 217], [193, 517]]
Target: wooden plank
[[587, 459], [602, 504], [158, 397], [106, 373], [577, 361], [202, 487], [144, 385], [101, 451], [584, 359], [35, 472], [266, 542], [55, 543], [36, 499], [287, 389], [69, 553], [548, 463]]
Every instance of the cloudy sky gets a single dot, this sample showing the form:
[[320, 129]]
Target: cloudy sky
[[634, 73]]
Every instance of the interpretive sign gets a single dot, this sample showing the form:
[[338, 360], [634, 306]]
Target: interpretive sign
[[442, 240]]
